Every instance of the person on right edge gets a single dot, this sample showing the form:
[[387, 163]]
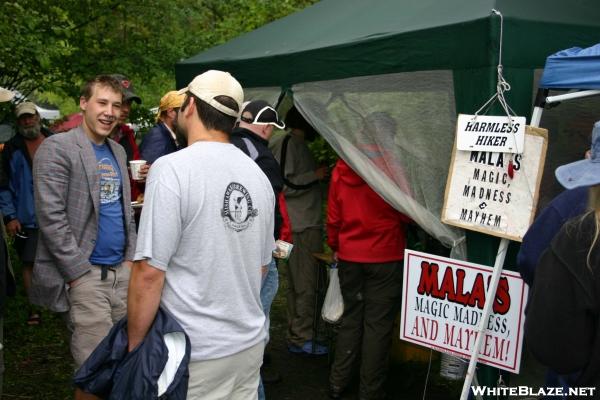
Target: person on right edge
[[304, 205], [562, 327], [368, 237]]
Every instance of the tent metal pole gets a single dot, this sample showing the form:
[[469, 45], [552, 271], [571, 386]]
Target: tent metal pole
[[487, 310], [536, 116], [571, 96]]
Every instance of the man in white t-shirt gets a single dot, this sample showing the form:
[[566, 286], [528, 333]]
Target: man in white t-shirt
[[206, 232]]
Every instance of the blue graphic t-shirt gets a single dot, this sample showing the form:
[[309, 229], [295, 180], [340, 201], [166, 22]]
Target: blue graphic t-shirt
[[110, 243]]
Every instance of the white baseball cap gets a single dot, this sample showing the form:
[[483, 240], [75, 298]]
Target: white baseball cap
[[6, 95], [215, 83]]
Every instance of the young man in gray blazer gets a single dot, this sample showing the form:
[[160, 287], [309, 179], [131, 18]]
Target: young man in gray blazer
[[87, 231]]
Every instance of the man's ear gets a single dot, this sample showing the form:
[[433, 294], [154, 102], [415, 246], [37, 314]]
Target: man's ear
[[189, 109], [82, 103]]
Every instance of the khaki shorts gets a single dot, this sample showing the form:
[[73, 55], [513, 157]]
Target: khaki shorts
[[96, 305], [234, 377]]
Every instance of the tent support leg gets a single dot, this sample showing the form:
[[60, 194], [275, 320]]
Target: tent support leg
[[487, 310]]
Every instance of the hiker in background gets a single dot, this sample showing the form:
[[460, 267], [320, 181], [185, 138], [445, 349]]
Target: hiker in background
[[368, 237], [7, 277], [162, 138], [16, 195], [304, 204], [125, 136], [561, 327], [257, 121]]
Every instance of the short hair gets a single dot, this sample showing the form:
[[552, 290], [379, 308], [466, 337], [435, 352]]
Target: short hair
[[100, 80], [210, 116]]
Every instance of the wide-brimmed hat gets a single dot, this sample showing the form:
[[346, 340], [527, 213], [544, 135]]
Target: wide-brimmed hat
[[583, 172]]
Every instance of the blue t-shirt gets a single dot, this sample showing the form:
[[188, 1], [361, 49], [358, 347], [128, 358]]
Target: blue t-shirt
[[110, 243]]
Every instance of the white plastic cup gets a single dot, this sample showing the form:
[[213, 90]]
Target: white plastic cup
[[135, 166]]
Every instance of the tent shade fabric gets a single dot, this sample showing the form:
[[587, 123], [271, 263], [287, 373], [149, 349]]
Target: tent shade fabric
[[573, 68], [336, 39], [392, 130], [344, 39]]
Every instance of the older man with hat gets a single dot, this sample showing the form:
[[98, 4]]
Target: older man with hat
[[16, 194], [7, 279], [161, 139], [256, 125], [205, 234]]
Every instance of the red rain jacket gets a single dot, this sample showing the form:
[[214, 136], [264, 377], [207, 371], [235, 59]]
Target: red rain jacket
[[361, 226]]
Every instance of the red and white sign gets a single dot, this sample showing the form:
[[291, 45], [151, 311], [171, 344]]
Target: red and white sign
[[443, 302]]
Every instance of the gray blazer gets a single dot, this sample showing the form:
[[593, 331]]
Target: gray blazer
[[67, 202]]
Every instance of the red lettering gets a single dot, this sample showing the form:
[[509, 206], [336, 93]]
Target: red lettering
[[502, 301], [478, 293], [447, 288], [428, 284], [461, 297]]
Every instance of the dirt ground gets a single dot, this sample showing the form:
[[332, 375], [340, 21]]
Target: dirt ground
[[38, 362], [306, 377]]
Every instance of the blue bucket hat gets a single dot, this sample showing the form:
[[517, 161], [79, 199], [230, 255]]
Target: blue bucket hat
[[583, 172]]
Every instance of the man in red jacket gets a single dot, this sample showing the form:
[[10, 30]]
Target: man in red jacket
[[125, 136], [368, 238]]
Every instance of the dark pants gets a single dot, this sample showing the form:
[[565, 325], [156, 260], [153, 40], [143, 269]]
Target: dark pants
[[302, 283], [372, 294]]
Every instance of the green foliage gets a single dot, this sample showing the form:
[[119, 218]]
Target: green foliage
[[322, 152], [35, 39], [54, 46]]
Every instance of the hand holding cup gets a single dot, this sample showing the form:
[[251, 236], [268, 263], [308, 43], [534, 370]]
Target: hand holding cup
[[139, 169]]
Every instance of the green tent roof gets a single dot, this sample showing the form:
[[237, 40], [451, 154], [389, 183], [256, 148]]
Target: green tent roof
[[342, 38]]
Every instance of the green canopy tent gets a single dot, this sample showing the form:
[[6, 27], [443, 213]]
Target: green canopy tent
[[383, 81], [341, 39]]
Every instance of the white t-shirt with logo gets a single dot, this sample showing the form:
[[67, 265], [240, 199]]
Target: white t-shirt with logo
[[208, 222]]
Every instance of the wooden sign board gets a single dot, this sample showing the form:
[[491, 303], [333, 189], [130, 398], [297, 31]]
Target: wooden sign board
[[481, 195]]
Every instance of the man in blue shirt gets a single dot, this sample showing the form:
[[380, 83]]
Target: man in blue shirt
[[87, 231]]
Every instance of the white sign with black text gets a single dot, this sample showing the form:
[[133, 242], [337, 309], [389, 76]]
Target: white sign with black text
[[442, 305], [490, 133], [496, 193]]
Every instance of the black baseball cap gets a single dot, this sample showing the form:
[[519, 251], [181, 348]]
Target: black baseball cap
[[259, 112]]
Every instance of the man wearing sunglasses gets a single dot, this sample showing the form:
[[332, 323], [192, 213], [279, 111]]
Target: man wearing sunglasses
[[161, 139]]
